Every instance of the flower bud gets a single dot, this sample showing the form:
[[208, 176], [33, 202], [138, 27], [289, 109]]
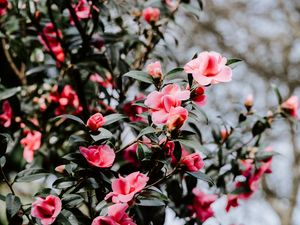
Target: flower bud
[[193, 162], [95, 122], [60, 169], [151, 14], [248, 102], [154, 70], [291, 106]]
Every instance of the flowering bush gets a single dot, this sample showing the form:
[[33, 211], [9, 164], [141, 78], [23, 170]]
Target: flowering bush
[[110, 136]]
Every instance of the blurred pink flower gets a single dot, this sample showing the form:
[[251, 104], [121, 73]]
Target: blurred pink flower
[[151, 14], [154, 70], [209, 68], [193, 162], [31, 143], [3, 6], [291, 106], [6, 116]]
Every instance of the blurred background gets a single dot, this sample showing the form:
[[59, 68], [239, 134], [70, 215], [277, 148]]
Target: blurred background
[[265, 34]]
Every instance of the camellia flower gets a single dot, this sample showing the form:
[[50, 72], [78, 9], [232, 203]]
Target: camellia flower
[[165, 105], [248, 102], [154, 70], [6, 116], [193, 162], [232, 201], [46, 209], [176, 118], [291, 106], [202, 204], [95, 122], [116, 215], [31, 143], [124, 188], [209, 68], [82, 9], [151, 14], [54, 45], [67, 98], [101, 156], [3, 6]]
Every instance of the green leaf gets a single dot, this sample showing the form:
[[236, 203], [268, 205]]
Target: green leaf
[[201, 176], [104, 134], [147, 130], [258, 128], [143, 152], [200, 112], [9, 93], [64, 182], [150, 202], [265, 155], [2, 198], [31, 174], [173, 72], [4, 139], [2, 161], [67, 218], [189, 143], [232, 61], [177, 151], [112, 118], [140, 75], [277, 92], [70, 117], [13, 205], [72, 200]]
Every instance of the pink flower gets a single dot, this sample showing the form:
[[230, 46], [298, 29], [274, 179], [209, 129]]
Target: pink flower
[[116, 216], [166, 104], [232, 201], [209, 68], [124, 188], [248, 102], [202, 204], [6, 116], [46, 209], [66, 99], [60, 169], [151, 14], [82, 9], [224, 134], [193, 162], [154, 70], [101, 156], [3, 6], [198, 96], [54, 45], [132, 111], [31, 143], [104, 82], [95, 122], [291, 106]]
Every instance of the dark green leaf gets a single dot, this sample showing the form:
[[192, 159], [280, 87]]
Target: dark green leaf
[[140, 75], [4, 139], [71, 117], [72, 200], [232, 61], [201, 176], [31, 174], [150, 202], [189, 143], [147, 130], [13, 205], [67, 218], [173, 72], [265, 155], [2, 161], [258, 128], [9, 93], [177, 151], [104, 134], [277, 92], [112, 118]]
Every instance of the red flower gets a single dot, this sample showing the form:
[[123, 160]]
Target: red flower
[[66, 99], [101, 156], [198, 96], [95, 122], [31, 143], [232, 201], [54, 45], [193, 162], [46, 209], [151, 14], [124, 188], [82, 9], [6, 116], [202, 204], [3, 6]]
